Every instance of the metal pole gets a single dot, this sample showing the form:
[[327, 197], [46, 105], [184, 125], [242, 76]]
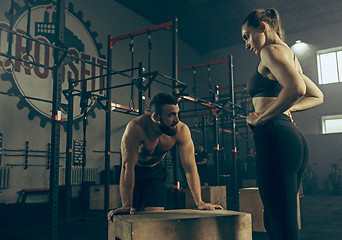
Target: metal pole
[[26, 154], [174, 152], [194, 91], [69, 148], [149, 43], [131, 47], [28, 28], [217, 146], [204, 131], [84, 110], [55, 125], [141, 91], [10, 37], [234, 150], [174, 54], [84, 155], [108, 126], [209, 82]]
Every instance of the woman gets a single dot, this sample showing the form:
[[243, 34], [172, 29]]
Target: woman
[[278, 88]]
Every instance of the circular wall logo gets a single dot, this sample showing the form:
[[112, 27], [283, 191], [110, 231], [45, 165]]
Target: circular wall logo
[[34, 81]]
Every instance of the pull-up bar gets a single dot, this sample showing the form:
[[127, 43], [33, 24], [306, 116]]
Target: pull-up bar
[[166, 25], [224, 61]]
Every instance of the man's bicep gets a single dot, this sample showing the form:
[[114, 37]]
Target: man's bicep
[[186, 149]]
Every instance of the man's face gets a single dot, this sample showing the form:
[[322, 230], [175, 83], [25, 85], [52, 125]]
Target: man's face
[[169, 119]]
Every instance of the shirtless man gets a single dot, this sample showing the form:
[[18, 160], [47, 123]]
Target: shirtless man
[[144, 144]]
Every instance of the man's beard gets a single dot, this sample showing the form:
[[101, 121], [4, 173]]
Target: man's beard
[[168, 130]]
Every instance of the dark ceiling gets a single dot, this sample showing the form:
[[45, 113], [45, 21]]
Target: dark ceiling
[[207, 25]]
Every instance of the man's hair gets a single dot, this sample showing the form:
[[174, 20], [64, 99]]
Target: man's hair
[[160, 100]]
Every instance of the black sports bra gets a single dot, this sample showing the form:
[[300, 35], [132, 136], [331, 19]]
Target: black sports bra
[[260, 86]]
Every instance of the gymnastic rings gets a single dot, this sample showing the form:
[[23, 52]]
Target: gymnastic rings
[[196, 122], [131, 104], [8, 65], [30, 58], [210, 120]]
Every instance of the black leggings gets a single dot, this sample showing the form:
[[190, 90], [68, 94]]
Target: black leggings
[[282, 155]]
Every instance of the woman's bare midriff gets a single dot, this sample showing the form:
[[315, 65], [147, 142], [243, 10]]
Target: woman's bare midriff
[[261, 104]]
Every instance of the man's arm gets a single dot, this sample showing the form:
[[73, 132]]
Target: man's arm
[[187, 158], [129, 151]]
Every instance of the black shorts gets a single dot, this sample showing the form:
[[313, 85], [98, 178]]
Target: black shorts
[[149, 187]]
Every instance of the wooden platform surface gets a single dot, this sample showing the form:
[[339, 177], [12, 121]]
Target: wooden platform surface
[[182, 224], [177, 214]]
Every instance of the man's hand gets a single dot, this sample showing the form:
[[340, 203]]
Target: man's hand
[[122, 210], [208, 206]]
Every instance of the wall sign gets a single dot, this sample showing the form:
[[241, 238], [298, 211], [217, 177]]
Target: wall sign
[[35, 81]]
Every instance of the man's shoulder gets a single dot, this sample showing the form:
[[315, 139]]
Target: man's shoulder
[[182, 127], [138, 122], [136, 126], [183, 132]]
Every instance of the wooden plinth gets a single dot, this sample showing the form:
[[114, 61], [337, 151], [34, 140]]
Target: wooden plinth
[[250, 202], [180, 225]]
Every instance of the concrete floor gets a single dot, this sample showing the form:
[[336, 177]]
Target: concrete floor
[[321, 219]]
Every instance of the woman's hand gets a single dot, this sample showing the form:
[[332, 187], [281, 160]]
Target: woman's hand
[[253, 119], [288, 113]]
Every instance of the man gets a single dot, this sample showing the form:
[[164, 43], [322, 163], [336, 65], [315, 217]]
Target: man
[[201, 161], [144, 144]]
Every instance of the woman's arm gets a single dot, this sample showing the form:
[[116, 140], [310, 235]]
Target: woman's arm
[[312, 98]]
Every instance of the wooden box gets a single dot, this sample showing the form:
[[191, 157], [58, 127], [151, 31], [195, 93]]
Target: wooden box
[[181, 224], [96, 197], [250, 202], [212, 194]]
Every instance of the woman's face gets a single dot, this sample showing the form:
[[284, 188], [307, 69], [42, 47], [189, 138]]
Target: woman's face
[[254, 38]]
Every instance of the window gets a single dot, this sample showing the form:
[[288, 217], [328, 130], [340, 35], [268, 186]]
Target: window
[[329, 64], [332, 124]]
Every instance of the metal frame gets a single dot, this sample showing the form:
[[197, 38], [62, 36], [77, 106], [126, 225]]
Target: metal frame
[[60, 54], [141, 91], [216, 107], [55, 125]]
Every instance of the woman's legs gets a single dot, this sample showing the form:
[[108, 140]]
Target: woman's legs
[[281, 160]]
